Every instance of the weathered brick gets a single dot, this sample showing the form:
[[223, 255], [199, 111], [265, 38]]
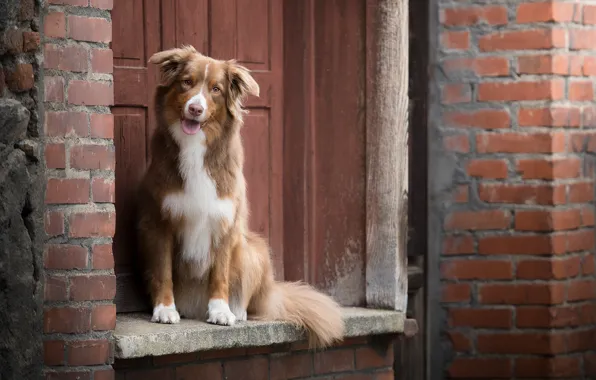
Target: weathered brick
[[92, 288], [67, 320], [55, 25], [55, 155], [103, 317], [480, 368], [67, 191], [54, 89], [481, 318], [478, 220], [67, 58], [21, 79], [526, 194], [550, 168], [476, 270], [548, 89], [54, 223], [545, 12], [528, 39], [467, 16], [92, 157], [90, 352], [489, 169], [102, 126], [458, 245], [31, 41], [102, 61], [64, 256], [522, 294], [90, 29], [66, 124], [90, 93], [548, 269], [103, 257], [103, 190], [485, 119], [55, 288], [456, 40], [556, 367], [521, 343], [455, 293], [92, 224]]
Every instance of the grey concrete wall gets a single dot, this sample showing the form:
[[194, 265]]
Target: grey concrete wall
[[21, 191]]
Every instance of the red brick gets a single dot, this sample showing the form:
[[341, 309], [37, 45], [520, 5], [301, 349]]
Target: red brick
[[66, 124], [493, 169], [255, 368], [455, 293], [66, 320], [102, 61], [522, 294], [541, 194], [549, 117], [485, 119], [544, 12], [153, 374], [334, 361], [102, 126], [89, 29], [460, 342], [64, 256], [481, 318], [476, 270], [90, 93], [54, 89], [27, 11], [211, 370], [70, 375], [581, 192], [480, 368], [77, 3], [31, 41], [484, 66], [223, 354], [456, 93], [582, 240], [291, 366], [53, 352], [588, 265], [67, 190], [467, 16], [581, 290], [546, 317], [103, 258], [550, 168], [92, 288], [55, 288], [55, 155], [579, 340], [513, 142], [547, 89], [456, 40], [103, 317], [584, 141], [588, 117], [582, 39], [547, 220], [174, 359], [557, 367], [478, 220], [461, 194], [54, 223], [529, 39], [55, 25], [576, 65], [21, 79], [581, 91], [589, 14], [104, 374], [548, 269], [92, 157], [588, 66], [515, 244], [102, 4], [458, 245], [521, 343], [67, 58], [543, 64], [367, 357], [90, 352], [457, 143], [103, 190]]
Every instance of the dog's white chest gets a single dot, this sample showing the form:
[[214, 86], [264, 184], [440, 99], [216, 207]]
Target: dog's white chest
[[199, 206]]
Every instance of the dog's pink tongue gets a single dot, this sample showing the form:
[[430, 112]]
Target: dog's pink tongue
[[190, 127]]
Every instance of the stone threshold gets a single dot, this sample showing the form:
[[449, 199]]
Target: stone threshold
[[136, 336]]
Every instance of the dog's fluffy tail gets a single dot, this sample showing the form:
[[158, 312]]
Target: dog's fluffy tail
[[303, 306]]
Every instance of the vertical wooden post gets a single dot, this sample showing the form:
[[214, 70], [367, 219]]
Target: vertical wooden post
[[387, 157]]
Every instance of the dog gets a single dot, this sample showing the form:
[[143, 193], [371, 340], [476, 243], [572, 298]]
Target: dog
[[200, 259]]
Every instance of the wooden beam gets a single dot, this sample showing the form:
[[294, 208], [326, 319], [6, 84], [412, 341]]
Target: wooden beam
[[387, 156]]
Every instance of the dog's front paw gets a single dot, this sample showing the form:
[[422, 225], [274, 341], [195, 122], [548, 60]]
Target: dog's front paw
[[241, 315], [219, 313], [165, 314]]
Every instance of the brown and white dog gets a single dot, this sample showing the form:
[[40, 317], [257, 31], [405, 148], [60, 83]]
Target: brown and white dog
[[200, 258]]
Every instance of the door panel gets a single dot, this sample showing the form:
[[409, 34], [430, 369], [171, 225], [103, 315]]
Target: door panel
[[214, 28]]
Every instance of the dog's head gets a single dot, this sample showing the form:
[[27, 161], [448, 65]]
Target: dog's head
[[201, 93]]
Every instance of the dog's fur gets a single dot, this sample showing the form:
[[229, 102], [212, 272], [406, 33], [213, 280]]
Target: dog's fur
[[200, 258]]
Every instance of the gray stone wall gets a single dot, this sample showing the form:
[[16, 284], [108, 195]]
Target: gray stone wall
[[21, 191]]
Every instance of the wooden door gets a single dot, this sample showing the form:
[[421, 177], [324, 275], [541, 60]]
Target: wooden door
[[247, 30]]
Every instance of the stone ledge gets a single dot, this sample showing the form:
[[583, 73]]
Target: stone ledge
[[135, 336]]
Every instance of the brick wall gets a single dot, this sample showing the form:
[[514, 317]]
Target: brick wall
[[79, 313], [516, 119], [355, 359]]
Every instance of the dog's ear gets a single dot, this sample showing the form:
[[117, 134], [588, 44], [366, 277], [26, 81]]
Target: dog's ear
[[171, 62], [241, 83]]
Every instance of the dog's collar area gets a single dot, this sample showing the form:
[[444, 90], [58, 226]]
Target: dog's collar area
[[135, 336]]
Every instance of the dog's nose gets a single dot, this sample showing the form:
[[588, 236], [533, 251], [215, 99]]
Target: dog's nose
[[195, 109]]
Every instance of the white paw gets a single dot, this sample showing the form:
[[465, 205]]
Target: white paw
[[219, 313], [165, 314], [241, 315]]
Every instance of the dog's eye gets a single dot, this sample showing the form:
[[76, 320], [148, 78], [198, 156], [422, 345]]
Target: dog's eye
[[215, 89], [187, 82]]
